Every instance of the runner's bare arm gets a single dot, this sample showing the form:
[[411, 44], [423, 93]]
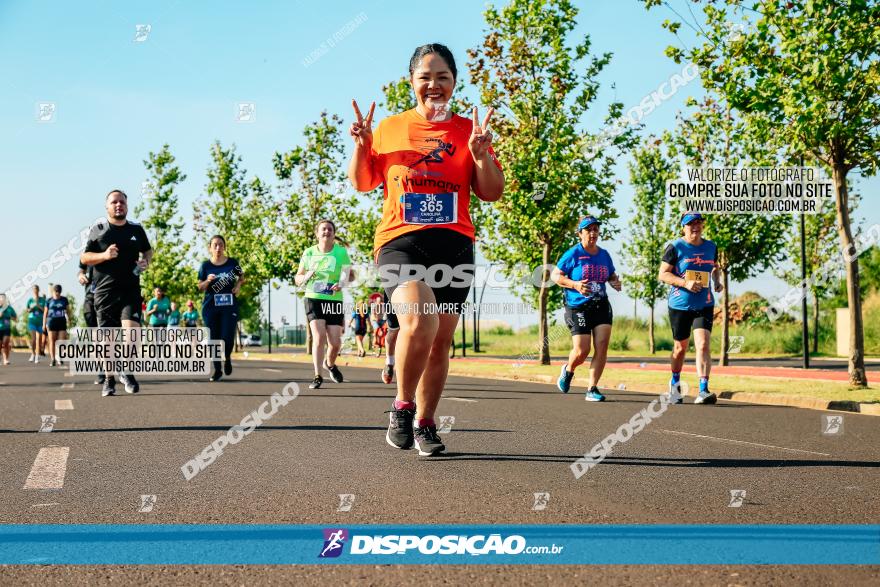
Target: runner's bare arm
[[360, 170], [488, 181], [668, 277]]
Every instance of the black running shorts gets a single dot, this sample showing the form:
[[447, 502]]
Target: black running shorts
[[114, 306], [682, 321], [446, 257], [584, 318], [327, 310]]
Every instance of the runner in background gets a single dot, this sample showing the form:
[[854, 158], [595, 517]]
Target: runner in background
[[7, 317], [359, 321], [191, 316], [55, 319], [428, 161], [221, 278], [174, 316], [85, 278], [36, 306], [158, 309], [320, 275], [583, 271], [687, 265], [118, 251], [390, 343]]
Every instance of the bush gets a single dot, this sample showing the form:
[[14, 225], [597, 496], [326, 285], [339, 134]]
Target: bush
[[500, 330], [619, 343]]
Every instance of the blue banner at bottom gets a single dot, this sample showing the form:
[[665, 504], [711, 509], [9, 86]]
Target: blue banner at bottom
[[191, 544]]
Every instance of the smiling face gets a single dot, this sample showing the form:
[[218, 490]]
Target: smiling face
[[325, 232], [432, 82]]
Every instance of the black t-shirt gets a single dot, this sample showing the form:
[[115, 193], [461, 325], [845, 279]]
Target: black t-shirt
[[131, 240], [227, 276]]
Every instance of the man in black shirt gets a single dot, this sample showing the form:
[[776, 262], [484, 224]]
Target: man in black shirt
[[118, 251]]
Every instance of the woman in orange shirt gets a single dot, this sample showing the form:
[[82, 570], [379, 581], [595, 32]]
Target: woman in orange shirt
[[428, 161]]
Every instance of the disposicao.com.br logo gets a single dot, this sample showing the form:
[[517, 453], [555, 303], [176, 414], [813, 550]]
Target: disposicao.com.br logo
[[452, 544]]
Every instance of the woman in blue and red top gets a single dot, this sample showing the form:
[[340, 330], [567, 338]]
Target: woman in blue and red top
[[428, 161], [583, 271]]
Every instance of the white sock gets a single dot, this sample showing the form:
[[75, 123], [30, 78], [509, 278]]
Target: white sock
[[389, 360]]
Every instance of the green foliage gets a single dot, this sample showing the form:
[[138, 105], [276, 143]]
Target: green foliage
[[541, 87], [172, 265], [651, 221], [243, 213]]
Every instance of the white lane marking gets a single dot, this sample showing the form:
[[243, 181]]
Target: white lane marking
[[272, 370], [63, 404], [43, 505], [49, 468], [809, 452], [67, 385], [69, 374], [461, 399]]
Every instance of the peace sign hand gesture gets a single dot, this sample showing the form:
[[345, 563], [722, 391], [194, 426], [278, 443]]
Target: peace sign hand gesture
[[481, 136], [362, 129]]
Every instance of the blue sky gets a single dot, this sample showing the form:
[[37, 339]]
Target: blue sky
[[117, 99]]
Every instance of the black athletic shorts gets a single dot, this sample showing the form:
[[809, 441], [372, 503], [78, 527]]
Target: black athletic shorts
[[390, 316], [360, 332], [4, 333], [584, 318], [327, 310], [447, 257], [115, 306], [56, 324], [682, 321]]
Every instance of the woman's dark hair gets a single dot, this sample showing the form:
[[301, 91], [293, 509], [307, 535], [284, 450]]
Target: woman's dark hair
[[220, 236], [322, 221], [57, 288], [441, 50]]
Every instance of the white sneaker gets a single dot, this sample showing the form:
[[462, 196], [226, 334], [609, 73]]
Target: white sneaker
[[36, 359], [31, 359], [674, 394]]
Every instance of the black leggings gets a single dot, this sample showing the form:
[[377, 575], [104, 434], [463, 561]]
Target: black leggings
[[222, 324]]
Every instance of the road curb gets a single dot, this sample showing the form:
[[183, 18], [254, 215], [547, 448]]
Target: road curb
[[792, 401]]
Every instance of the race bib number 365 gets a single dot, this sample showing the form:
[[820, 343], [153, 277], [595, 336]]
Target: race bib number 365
[[430, 208]]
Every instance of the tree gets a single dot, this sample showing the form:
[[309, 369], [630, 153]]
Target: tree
[[650, 227], [821, 248], [238, 210], [171, 267], [808, 70], [542, 89], [748, 244]]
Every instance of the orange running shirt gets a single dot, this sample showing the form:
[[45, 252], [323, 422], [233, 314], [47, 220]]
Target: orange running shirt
[[427, 171]]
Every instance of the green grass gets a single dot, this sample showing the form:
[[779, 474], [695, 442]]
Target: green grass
[[630, 337], [637, 379]]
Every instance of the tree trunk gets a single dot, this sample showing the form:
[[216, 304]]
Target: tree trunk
[[725, 326], [543, 335], [815, 323], [857, 375], [651, 345]]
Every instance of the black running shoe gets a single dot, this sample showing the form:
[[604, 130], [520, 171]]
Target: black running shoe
[[99, 380], [130, 383], [227, 367], [53, 363], [427, 441], [109, 387], [316, 382], [216, 375], [388, 374], [400, 428], [335, 373]]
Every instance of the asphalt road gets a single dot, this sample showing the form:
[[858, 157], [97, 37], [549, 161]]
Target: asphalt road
[[509, 440]]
